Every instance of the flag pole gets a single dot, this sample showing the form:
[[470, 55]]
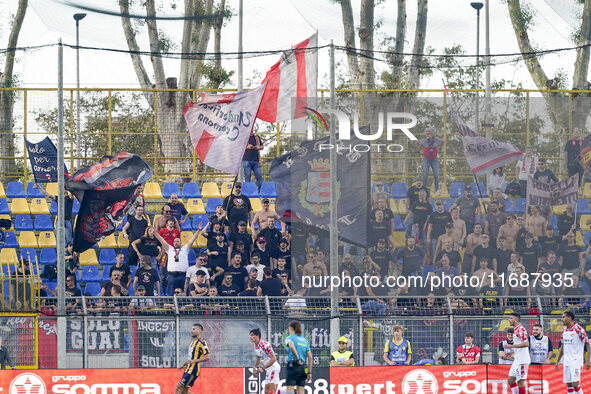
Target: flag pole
[[334, 240], [232, 192], [479, 192]]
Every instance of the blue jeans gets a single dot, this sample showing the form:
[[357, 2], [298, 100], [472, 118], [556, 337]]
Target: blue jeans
[[374, 307], [253, 166], [68, 227], [434, 165], [174, 281]]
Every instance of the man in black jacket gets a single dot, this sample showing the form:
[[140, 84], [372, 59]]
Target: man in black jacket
[[4, 357]]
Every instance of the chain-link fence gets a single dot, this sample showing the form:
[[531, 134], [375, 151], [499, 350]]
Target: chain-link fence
[[157, 336], [150, 123]]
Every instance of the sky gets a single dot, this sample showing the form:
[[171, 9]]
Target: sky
[[276, 24]]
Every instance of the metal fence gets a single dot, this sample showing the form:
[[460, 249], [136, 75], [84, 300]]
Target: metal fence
[[154, 332], [150, 123]]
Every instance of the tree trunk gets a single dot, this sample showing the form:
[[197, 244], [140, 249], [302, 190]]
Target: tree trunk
[[398, 61], [175, 143], [217, 36], [7, 163], [532, 63], [414, 75], [581, 103], [366, 31], [349, 33]]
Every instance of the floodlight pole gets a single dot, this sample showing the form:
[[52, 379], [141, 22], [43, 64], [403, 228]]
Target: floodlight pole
[[477, 6], [240, 24], [334, 232], [487, 91], [60, 231], [78, 18]]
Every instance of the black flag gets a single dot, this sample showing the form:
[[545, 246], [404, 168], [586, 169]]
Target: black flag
[[302, 179], [105, 190]]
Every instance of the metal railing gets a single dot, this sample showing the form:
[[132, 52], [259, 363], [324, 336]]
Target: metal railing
[[123, 332], [141, 121]]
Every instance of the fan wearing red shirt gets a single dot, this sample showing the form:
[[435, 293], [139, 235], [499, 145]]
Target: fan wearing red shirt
[[169, 233], [468, 353]]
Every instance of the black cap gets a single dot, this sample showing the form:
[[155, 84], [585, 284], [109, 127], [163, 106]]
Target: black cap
[[468, 187], [449, 224], [283, 241], [242, 223], [265, 200], [238, 184], [382, 240], [240, 242], [141, 287]]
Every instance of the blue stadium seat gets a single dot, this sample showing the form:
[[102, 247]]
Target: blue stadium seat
[[479, 190], [456, 189], [250, 189], [10, 240], [77, 275], [43, 223], [15, 190], [29, 254], [131, 293], [93, 288], [186, 226], [554, 223], [191, 190], [199, 219], [52, 285], [106, 276], [519, 206], [53, 208], [171, 187], [399, 190], [107, 257], [509, 206], [447, 203], [23, 223], [192, 257], [33, 192], [211, 204], [373, 187], [268, 190], [90, 273], [133, 268], [583, 207], [4, 208], [588, 238], [48, 256], [398, 223]]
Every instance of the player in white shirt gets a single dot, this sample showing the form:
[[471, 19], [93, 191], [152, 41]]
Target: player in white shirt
[[574, 343], [266, 356], [521, 360]]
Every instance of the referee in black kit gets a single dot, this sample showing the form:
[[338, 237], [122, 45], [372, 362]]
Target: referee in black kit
[[298, 352]]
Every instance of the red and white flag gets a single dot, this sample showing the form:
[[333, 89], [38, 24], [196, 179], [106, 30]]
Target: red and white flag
[[293, 76], [220, 126]]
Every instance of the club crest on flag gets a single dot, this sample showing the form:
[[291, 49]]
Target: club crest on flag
[[315, 189]]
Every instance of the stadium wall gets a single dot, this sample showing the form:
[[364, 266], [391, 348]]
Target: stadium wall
[[350, 380]]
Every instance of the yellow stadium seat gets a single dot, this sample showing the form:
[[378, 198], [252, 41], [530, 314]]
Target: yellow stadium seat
[[51, 188], [88, 257], [27, 239], [226, 189], [47, 239], [587, 190], [108, 242], [402, 207], [152, 191], [39, 206], [195, 206], [443, 192], [8, 256], [558, 209], [185, 236], [484, 202], [584, 225], [579, 241], [504, 325], [11, 221], [201, 242], [122, 242], [210, 190], [2, 192], [19, 206], [394, 206], [399, 239], [256, 205]]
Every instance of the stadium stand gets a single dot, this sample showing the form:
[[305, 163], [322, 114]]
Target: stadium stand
[[152, 191], [170, 188], [15, 190], [210, 190], [32, 191], [191, 190]]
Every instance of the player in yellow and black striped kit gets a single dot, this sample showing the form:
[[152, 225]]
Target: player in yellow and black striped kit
[[198, 353]]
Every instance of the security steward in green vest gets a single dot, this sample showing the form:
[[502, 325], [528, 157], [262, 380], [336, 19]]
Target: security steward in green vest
[[342, 357]]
